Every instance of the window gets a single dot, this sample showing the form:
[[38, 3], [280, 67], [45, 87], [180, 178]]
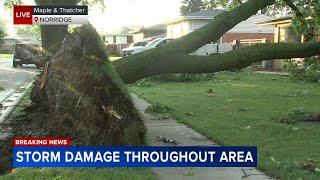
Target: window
[[114, 39]]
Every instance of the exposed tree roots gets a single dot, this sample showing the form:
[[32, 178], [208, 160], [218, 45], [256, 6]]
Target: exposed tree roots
[[85, 98]]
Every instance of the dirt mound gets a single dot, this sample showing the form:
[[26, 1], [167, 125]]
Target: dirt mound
[[85, 97], [28, 125]]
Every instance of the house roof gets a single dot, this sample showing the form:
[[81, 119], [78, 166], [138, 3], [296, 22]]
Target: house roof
[[251, 25], [123, 31], [201, 15], [157, 27], [206, 13], [23, 38], [279, 20]]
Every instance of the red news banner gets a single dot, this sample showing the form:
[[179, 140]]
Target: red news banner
[[41, 142], [50, 15]]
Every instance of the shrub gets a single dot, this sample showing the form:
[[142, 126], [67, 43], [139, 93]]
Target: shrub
[[159, 110], [312, 72], [147, 82], [292, 68]]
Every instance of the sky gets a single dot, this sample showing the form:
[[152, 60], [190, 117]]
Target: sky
[[120, 13], [134, 12]]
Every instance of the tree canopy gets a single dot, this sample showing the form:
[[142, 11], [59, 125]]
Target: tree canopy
[[2, 29], [190, 6]]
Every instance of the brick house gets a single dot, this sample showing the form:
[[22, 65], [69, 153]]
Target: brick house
[[282, 33]]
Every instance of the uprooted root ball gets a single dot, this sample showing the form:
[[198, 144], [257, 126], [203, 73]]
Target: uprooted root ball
[[85, 97]]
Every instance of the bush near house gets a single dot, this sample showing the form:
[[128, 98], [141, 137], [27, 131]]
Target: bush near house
[[310, 72]]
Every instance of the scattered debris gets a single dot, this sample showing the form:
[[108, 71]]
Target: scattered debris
[[189, 114], [23, 88], [188, 173], [111, 112], [308, 166], [314, 119], [295, 128], [160, 111], [243, 109], [9, 100], [42, 78], [210, 93], [166, 140], [13, 170], [298, 115], [248, 127]]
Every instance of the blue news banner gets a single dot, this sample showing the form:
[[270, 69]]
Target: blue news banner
[[124, 156]]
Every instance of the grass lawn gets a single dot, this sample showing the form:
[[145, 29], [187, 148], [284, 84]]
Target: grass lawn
[[6, 55], [245, 109], [116, 173]]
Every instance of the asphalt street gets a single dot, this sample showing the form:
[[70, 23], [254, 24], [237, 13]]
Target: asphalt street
[[11, 79]]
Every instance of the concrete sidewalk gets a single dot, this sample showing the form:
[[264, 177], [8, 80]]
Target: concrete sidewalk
[[183, 135]]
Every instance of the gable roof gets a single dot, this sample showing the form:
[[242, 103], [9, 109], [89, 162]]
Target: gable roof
[[206, 13], [251, 25], [123, 31], [279, 20], [157, 27], [201, 15]]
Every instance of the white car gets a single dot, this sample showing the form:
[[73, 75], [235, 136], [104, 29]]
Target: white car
[[136, 49]]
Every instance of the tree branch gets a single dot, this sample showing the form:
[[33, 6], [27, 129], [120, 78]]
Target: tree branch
[[211, 32], [219, 26], [294, 8], [240, 2], [143, 65]]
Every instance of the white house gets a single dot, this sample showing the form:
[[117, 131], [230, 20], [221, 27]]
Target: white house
[[143, 34], [117, 40], [120, 36], [246, 30]]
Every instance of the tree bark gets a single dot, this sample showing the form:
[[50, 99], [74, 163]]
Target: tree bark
[[52, 36], [139, 66]]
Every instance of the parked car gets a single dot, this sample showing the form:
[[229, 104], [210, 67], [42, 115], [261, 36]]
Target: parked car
[[138, 44], [27, 53], [137, 49]]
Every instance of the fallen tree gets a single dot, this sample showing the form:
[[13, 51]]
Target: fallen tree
[[86, 98], [174, 58]]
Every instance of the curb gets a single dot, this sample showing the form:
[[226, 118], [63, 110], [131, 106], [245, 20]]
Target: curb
[[12, 100], [18, 96]]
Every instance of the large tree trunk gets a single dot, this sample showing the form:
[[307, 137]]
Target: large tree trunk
[[150, 63], [84, 96], [52, 36]]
